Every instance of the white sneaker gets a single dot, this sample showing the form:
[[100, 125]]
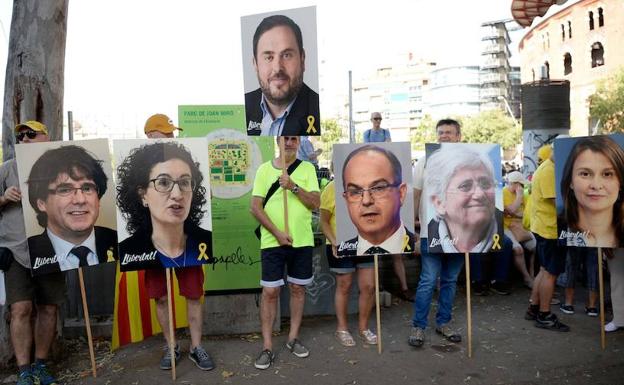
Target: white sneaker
[[611, 327]]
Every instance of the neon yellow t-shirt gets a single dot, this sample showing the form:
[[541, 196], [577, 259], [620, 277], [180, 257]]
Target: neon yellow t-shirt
[[509, 198], [543, 210], [299, 216], [328, 203]]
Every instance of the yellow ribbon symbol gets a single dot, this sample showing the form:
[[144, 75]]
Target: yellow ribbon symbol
[[109, 256], [496, 245], [202, 252], [311, 125], [406, 245]]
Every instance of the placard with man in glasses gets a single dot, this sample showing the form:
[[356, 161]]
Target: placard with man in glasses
[[464, 202], [69, 186], [374, 199], [163, 203]]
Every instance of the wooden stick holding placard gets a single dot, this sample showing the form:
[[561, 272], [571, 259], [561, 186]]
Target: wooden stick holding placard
[[468, 305], [85, 309], [377, 306], [284, 172], [603, 340], [171, 328]]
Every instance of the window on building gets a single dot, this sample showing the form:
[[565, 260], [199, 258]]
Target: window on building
[[600, 17], [591, 20], [567, 63], [548, 39], [533, 74], [546, 71], [597, 54], [570, 29], [562, 32]]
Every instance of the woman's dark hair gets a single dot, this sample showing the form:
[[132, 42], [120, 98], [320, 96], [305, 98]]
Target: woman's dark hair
[[133, 175], [609, 148]]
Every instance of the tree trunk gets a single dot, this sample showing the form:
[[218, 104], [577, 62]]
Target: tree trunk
[[33, 88]]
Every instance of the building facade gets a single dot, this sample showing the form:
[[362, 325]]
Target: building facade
[[398, 92], [454, 91], [581, 43]]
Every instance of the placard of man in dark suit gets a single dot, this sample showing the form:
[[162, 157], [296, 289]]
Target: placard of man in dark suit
[[65, 186], [283, 105]]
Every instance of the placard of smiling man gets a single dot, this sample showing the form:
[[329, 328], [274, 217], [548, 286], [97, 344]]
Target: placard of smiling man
[[374, 193], [283, 105], [65, 186]]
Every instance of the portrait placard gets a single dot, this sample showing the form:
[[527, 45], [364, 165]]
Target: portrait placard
[[588, 179], [68, 201], [463, 198], [374, 199], [280, 70], [163, 203]]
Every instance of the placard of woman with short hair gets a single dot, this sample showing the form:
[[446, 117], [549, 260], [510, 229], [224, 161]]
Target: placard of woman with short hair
[[462, 195]]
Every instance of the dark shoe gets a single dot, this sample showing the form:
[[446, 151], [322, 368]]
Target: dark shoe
[[480, 289], [42, 376], [264, 360], [568, 309], [296, 347], [416, 337], [25, 378], [406, 295], [591, 311], [500, 288], [165, 361], [551, 322], [448, 333], [530, 315], [201, 358]]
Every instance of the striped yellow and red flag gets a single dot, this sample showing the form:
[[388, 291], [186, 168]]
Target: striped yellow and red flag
[[135, 313]]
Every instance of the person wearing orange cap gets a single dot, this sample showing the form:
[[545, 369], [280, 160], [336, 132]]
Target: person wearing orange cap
[[24, 291], [160, 126]]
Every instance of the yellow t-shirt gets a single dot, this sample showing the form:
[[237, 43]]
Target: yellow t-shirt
[[543, 210], [328, 203], [509, 198], [299, 216]]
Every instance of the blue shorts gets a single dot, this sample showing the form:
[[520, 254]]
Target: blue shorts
[[297, 261], [551, 254], [346, 265]]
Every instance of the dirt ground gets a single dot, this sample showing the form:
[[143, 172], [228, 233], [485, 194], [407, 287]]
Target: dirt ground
[[506, 350]]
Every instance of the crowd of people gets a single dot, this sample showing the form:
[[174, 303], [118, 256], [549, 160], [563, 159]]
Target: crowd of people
[[530, 242]]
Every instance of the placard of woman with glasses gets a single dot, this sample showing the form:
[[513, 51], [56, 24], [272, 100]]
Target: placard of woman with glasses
[[162, 200], [461, 193]]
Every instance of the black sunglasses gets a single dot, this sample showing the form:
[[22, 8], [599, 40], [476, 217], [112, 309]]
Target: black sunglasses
[[376, 118], [30, 134]]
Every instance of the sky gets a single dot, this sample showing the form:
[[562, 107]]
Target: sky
[[126, 60]]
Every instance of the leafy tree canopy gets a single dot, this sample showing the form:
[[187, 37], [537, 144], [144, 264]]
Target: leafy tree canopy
[[607, 104]]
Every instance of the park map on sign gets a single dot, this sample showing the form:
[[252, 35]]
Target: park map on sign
[[229, 161]]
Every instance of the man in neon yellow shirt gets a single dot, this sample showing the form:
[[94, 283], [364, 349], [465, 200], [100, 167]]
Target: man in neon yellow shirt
[[551, 254], [281, 250]]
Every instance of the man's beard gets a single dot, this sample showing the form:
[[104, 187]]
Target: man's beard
[[282, 99]]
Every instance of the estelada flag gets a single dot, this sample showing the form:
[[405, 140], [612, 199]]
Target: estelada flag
[[135, 313]]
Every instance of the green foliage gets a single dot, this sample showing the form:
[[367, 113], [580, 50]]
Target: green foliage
[[332, 133], [607, 104], [494, 126], [423, 133]]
